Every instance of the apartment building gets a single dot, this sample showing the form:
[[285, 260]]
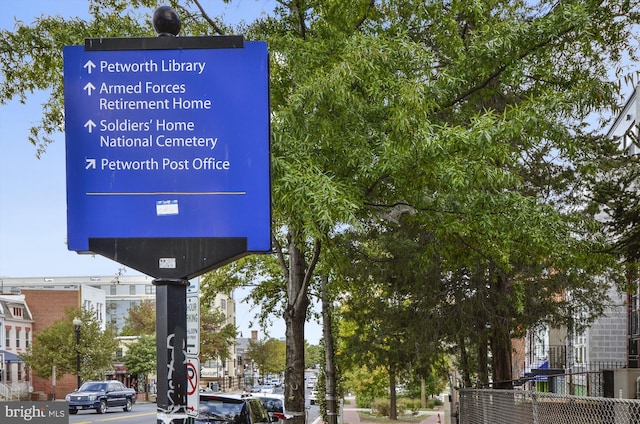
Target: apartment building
[[611, 343], [580, 355]]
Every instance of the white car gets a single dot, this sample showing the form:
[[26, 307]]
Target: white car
[[311, 382], [266, 388], [274, 404], [313, 397]]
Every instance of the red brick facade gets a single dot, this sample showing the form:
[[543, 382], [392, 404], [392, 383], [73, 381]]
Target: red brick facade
[[48, 306]]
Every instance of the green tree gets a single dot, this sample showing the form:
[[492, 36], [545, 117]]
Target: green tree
[[56, 346], [141, 319], [367, 384], [216, 335], [393, 311], [492, 156], [268, 354], [141, 357], [314, 354]]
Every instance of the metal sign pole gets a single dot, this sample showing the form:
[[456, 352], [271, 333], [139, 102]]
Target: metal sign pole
[[171, 345]]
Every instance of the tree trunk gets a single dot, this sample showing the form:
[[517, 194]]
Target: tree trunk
[[483, 366], [295, 317], [501, 337], [464, 363], [393, 404], [330, 367]]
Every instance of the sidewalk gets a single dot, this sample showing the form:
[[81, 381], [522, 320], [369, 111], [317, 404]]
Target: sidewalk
[[351, 416], [434, 417]]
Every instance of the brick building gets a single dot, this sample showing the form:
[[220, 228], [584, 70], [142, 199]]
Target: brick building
[[48, 306]]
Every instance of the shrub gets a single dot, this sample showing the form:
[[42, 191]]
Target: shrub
[[381, 407], [410, 405], [433, 402]]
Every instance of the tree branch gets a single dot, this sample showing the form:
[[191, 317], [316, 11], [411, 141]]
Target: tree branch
[[503, 67], [206, 17], [296, 10], [280, 255], [366, 14], [302, 294]]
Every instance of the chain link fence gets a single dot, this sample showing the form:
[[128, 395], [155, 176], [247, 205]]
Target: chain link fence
[[486, 406]]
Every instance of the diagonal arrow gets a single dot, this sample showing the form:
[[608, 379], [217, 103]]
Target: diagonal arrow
[[89, 87], [91, 125], [91, 164], [89, 66]]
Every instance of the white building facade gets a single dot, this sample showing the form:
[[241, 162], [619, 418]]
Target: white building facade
[[16, 332]]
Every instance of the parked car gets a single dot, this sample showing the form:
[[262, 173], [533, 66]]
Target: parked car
[[101, 395], [274, 404], [313, 397], [266, 388], [275, 382], [311, 382], [232, 409]]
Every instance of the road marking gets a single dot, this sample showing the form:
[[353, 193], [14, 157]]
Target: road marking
[[120, 417], [129, 416]]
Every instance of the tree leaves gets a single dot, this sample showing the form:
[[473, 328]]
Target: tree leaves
[[140, 357], [56, 346]]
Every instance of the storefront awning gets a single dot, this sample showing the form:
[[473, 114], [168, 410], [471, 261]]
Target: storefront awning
[[9, 357]]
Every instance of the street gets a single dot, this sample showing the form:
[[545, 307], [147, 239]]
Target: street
[[141, 413], [145, 413]]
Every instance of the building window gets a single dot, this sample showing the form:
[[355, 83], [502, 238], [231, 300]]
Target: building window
[[132, 289], [19, 371], [18, 331], [112, 290], [26, 338], [223, 305], [7, 337], [17, 312], [149, 289]]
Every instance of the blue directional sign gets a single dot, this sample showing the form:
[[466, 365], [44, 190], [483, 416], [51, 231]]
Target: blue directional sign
[[168, 144]]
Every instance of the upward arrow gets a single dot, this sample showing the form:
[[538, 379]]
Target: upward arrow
[[91, 125], [89, 87], [89, 66]]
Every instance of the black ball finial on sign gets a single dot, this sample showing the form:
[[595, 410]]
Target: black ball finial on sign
[[166, 21]]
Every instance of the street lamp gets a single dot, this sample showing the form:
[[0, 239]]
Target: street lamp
[[76, 325]]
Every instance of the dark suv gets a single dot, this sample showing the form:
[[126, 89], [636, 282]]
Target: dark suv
[[231, 409], [100, 395]]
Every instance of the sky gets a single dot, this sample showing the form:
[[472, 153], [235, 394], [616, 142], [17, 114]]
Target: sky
[[33, 228]]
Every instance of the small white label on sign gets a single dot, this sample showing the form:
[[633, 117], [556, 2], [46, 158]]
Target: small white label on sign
[[167, 207], [167, 263]]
